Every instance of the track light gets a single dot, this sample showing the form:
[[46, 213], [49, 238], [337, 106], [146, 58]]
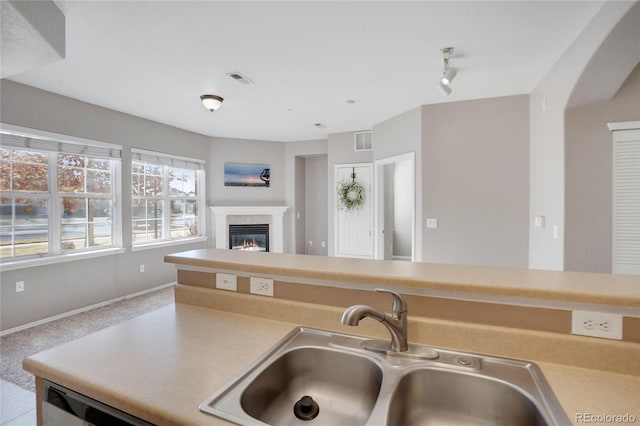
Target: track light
[[211, 102], [445, 89], [448, 74]]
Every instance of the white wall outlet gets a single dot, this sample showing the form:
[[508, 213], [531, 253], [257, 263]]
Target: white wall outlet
[[432, 222], [310, 244], [324, 244], [262, 286], [19, 286], [142, 267], [226, 281], [596, 324]]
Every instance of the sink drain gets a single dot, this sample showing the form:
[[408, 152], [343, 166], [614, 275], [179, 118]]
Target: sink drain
[[306, 408]]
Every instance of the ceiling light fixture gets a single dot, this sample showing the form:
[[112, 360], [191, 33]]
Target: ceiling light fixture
[[211, 102], [448, 74]]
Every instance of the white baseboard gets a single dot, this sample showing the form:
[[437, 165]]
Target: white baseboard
[[86, 308]]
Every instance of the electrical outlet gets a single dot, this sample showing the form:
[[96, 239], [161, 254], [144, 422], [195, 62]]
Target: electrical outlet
[[596, 324], [324, 244], [262, 286], [19, 286], [310, 243], [142, 267], [226, 282]]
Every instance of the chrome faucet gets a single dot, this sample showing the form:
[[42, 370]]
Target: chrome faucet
[[396, 323]]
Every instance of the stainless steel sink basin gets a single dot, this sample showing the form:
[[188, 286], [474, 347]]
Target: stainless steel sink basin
[[350, 385], [437, 397], [345, 387]]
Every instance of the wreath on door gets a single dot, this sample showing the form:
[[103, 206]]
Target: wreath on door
[[351, 195]]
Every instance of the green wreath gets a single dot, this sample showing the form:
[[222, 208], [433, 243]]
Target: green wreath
[[351, 195]]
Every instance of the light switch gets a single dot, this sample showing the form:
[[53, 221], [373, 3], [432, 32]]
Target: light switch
[[539, 222], [432, 222]]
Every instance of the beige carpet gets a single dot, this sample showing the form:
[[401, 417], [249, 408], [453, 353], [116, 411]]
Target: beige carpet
[[16, 346]]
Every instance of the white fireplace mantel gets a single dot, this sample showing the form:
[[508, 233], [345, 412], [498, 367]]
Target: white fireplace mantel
[[276, 227]]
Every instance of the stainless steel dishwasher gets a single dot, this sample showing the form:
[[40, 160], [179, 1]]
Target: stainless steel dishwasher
[[64, 407]]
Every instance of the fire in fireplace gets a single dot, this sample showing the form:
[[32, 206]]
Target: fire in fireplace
[[249, 237]]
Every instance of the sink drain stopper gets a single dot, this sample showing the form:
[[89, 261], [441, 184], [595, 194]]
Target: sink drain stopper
[[306, 408]]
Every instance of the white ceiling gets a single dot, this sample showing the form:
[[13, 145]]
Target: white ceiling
[[306, 58]]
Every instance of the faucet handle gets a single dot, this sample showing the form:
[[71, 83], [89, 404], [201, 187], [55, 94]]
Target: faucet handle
[[399, 304]]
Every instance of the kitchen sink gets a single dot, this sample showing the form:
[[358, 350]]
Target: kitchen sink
[[318, 377], [344, 385], [437, 397]]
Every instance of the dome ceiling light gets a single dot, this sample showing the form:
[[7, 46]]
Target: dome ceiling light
[[211, 102]]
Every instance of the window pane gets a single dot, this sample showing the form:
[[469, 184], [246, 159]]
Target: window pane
[[153, 185], [137, 184], [73, 236], [74, 210], [98, 181], [100, 226], [5, 174], [26, 171], [147, 220], [25, 226], [183, 220], [99, 163], [70, 180], [182, 181]]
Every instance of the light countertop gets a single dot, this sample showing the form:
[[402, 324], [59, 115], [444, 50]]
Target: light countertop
[[577, 287], [161, 365]]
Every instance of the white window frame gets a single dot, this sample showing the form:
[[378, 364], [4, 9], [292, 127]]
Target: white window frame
[[55, 253], [167, 161]]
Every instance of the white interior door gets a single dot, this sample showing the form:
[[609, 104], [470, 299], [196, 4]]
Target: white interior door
[[354, 228], [626, 199]]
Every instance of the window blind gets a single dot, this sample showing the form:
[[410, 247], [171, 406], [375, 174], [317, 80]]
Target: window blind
[[61, 145], [166, 159]]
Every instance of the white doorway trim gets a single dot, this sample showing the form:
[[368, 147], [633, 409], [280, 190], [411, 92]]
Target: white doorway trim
[[378, 215]]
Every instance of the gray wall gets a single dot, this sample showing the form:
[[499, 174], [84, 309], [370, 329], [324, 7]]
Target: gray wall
[[403, 134], [588, 180], [548, 102], [475, 160], [316, 179], [55, 289], [295, 153], [227, 150]]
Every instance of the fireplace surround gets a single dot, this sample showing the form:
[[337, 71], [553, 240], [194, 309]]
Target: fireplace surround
[[223, 216]]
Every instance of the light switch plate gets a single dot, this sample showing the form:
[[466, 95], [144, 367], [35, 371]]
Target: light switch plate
[[432, 222], [226, 282]]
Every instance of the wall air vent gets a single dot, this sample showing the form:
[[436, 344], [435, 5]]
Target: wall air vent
[[239, 77], [363, 141]]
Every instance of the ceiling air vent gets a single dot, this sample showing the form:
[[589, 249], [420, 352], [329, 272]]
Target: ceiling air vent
[[239, 77]]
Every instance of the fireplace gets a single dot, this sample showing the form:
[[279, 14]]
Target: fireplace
[[254, 237]]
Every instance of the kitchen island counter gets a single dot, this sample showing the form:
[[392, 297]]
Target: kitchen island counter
[[161, 365]]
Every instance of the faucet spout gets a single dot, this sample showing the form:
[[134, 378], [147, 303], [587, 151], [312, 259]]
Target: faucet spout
[[353, 314], [396, 323]]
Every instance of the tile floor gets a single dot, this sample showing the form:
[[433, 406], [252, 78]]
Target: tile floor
[[17, 406]]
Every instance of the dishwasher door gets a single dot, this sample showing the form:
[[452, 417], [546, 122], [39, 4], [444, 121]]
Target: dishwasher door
[[64, 407]]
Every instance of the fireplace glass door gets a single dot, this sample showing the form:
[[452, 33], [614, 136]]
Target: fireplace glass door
[[249, 237]]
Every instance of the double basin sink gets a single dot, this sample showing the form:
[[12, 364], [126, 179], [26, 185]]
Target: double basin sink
[[317, 377]]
